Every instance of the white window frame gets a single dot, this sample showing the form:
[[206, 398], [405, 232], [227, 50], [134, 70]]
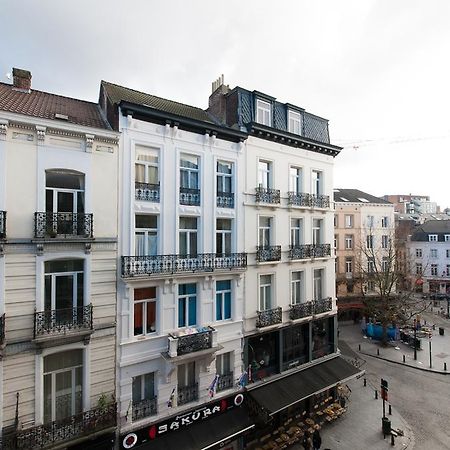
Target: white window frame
[[317, 231], [266, 230], [296, 231], [370, 222], [190, 170], [222, 235], [434, 270], [348, 220], [446, 237], [419, 269], [316, 182], [318, 279], [348, 241], [447, 253], [433, 253], [296, 179], [142, 386], [432, 238], [385, 241], [265, 293], [418, 253], [384, 222], [265, 173], [145, 302], [147, 164], [221, 177], [297, 286], [370, 241], [222, 294], [146, 232], [188, 232], [294, 122], [349, 264], [263, 112]]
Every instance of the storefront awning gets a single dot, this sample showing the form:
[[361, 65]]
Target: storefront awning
[[289, 390], [205, 435]]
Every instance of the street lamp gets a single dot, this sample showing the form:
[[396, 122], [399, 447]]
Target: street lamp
[[415, 340]]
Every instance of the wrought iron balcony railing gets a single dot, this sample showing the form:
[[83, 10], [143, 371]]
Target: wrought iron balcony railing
[[320, 201], [320, 250], [225, 382], [267, 195], [268, 253], [187, 394], [194, 341], [225, 200], [147, 191], [62, 321], [63, 224], [60, 431], [170, 264], [299, 251], [269, 317], [145, 408], [301, 310], [2, 224], [190, 197], [2, 330], [323, 305], [299, 199]]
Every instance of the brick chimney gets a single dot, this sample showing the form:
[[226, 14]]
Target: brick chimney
[[217, 105], [22, 79]]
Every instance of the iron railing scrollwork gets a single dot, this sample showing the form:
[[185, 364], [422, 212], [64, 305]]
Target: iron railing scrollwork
[[170, 264], [320, 250], [268, 253], [2, 329], [63, 224], [299, 199], [267, 195], [301, 310], [225, 381], [190, 343], [54, 433], [323, 305], [320, 201], [299, 251], [145, 408], [147, 191], [61, 321], [2, 224], [187, 394], [269, 317], [190, 197], [225, 200]]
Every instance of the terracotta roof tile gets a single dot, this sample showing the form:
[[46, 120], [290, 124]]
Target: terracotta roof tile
[[44, 105]]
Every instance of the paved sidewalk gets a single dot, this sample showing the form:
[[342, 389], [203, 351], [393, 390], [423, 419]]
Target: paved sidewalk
[[360, 427]]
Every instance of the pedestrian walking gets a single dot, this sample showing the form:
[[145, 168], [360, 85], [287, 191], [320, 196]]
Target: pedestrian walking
[[307, 441], [316, 438]]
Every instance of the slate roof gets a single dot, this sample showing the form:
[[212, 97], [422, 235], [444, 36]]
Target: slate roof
[[355, 196], [439, 227], [44, 105], [117, 93]]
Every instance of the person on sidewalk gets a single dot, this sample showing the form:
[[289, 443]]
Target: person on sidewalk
[[316, 438], [307, 441]]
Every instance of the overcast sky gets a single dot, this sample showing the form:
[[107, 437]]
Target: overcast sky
[[377, 69]]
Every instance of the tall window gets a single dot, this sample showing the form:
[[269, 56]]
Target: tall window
[[296, 287], [336, 221], [144, 311], [447, 253], [348, 241], [348, 218], [64, 191], [419, 269], [384, 222], [384, 241], [223, 236], [318, 284], [370, 221], [348, 265], [317, 231], [448, 270], [336, 242], [264, 174], [187, 305], [295, 179], [188, 236], [264, 232], [224, 177], [64, 287], [369, 241], [418, 253], [189, 171], [143, 387], [434, 269], [317, 182], [146, 166], [296, 232], [186, 374], [265, 292], [223, 300], [384, 264], [263, 113], [294, 122], [433, 252], [63, 385], [371, 264], [146, 235]]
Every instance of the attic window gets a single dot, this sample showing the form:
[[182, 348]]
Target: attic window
[[61, 116], [344, 199], [362, 199]]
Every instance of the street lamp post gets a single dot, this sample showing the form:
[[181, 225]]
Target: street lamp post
[[415, 340], [431, 365]]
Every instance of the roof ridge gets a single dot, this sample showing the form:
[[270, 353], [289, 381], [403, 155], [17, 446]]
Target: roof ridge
[[152, 95]]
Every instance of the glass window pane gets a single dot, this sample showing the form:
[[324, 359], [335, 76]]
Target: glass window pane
[[151, 317], [136, 389], [181, 312], [219, 315], [146, 221], [227, 306], [223, 285], [188, 223], [192, 311], [62, 360], [138, 319], [153, 175], [139, 173], [64, 179], [64, 265], [149, 385]]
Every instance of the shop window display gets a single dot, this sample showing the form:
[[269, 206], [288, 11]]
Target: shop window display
[[322, 338], [262, 356]]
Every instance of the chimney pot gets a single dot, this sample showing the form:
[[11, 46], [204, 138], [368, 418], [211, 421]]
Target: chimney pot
[[22, 79]]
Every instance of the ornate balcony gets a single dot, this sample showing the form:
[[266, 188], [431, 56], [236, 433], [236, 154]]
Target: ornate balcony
[[58, 322], [320, 250], [170, 264], [145, 408], [192, 340], [301, 310], [320, 201], [146, 191], [2, 330], [187, 394], [268, 317], [267, 195], [268, 253], [225, 200], [2, 224], [225, 382], [299, 251], [323, 305], [62, 431], [299, 199], [190, 197], [63, 225]]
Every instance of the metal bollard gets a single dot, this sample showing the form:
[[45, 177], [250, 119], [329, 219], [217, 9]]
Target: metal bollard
[[404, 359], [390, 409], [392, 440], [378, 351], [376, 394], [359, 347], [365, 382]]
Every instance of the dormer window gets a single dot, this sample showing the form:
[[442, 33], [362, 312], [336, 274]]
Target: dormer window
[[263, 113], [432, 238], [294, 122]]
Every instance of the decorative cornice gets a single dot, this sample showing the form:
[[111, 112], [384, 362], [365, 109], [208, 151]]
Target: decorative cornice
[[40, 134], [89, 142], [3, 129]]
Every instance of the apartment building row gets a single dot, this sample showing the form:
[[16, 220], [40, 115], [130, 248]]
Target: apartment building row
[[164, 269]]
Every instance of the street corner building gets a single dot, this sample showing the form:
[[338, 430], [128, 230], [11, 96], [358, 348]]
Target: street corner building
[[202, 311]]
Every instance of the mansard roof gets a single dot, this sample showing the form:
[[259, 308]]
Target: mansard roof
[[439, 227], [356, 196]]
